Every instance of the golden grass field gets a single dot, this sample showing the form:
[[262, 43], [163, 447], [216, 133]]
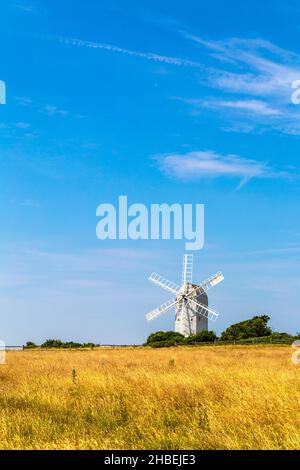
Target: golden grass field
[[209, 397]]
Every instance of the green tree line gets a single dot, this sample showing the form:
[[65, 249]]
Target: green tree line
[[254, 330]]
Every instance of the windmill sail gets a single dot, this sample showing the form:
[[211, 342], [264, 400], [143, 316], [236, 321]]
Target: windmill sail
[[164, 283], [204, 310], [163, 308], [208, 284], [187, 271]]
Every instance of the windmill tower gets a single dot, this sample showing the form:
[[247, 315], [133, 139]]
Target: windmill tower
[[190, 302]]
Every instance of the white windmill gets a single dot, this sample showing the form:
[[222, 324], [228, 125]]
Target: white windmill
[[191, 302]]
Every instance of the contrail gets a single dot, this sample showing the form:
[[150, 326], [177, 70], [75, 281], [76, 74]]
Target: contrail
[[144, 55]]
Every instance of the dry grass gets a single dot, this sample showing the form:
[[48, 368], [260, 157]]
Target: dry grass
[[183, 398]]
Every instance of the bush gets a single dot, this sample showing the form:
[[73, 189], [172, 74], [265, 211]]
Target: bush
[[71, 344], [52, 343], [164, 344], [164, 339], [274, 338], [253, 328], [246, 332], [284, 336], [57, 343], [202, 337], [30, 345], [89, 345]]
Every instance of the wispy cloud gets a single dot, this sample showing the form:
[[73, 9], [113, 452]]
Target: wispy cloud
[[249, 106], [87, 283], [277, 251], [22, 125], [210, 164], [89, 260], [47, 109], [30, 203], [120, 50], [23, 100], [13, 280], [87, 269], [26, 8], [17, 130], [268, 69], [255, 74], [51, 110], [257, 77]]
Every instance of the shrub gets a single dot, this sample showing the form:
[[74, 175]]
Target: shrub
[[276, 338], [57, 343], [277, 335], [163, 344], [202, 337], [30, 345], [162, 339], [160, 336], [52, 343], [71, 344]]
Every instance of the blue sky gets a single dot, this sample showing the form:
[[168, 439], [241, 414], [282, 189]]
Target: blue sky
[[186, 102]]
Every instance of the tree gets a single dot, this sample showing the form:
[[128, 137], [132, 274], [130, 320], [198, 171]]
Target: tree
[[253, 328]]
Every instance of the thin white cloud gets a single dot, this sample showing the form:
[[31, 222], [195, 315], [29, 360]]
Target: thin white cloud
[[23, 100], [210, 164], [51, 110], [13, 280], [277, 251], [68, 271], [30, 203], [252, 106], [257, 77], [144, 55], [87, 283], [268, 68], [93, 260], [256, 68], [26, 8], [22, 125], [255, 107]]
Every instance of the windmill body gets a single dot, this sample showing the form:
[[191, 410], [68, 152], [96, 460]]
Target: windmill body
[[186, 322], [190, 302]]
